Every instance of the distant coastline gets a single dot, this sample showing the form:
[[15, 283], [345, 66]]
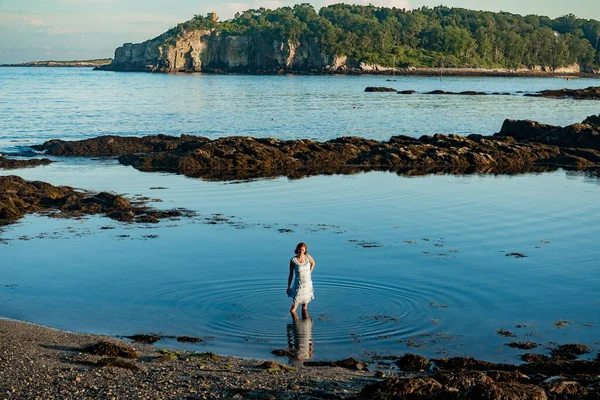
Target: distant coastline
[[72, 63], [398, 72]]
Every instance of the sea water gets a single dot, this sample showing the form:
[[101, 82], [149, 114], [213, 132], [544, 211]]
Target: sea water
[[403, 264]]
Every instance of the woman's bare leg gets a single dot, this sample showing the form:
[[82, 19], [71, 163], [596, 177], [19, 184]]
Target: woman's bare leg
[[293, 310]]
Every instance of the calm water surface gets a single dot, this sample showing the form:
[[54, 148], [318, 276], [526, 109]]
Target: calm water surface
[[403, 264], [48, 103]]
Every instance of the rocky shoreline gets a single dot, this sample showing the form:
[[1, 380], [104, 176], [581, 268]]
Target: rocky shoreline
[[520, 146], [43, 363], [11, 163], [70, 64], [364, 70], [19, 197]]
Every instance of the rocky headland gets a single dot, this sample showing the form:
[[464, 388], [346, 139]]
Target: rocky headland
[[37, 362], [19, 197], [210, 51], [520, 146]]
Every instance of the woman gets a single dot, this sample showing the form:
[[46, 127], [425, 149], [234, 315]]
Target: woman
[[302, 292]]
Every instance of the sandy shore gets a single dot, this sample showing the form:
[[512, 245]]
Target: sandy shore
[[41, 363]]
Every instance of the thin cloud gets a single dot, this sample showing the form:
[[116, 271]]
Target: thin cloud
[[61, 30], [98, 2], [30, 21]]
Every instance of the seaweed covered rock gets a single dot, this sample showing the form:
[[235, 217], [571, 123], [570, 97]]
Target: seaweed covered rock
[[463, 379], [412, 362], [505, 391], [348, 363], [237, 157], [116, 145], [379, 89], [569, 351], [10, 163], [564, 387], [465, 93], [535, 358], [19, 197], [589, 93], [470, 363], [520, 146], [104, 348], [398, 388], [145, 338], [584, 135]]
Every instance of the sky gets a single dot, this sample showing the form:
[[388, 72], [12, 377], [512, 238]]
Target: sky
[[36, 30]]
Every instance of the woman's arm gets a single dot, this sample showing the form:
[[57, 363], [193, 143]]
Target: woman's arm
[[290, 276], [312, 263]]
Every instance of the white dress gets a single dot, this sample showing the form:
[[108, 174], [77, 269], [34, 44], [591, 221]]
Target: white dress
[[302, 289]]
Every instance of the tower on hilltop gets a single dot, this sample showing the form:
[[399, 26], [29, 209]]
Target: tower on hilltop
[[212, 16]]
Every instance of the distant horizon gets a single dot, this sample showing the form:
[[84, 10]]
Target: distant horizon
[[79, 30]]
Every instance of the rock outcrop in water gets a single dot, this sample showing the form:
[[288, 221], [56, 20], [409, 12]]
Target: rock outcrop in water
[[106, 146], [10, 163], [19, 197], [590, 93], [518, 147], [585, 135], [468, 378]]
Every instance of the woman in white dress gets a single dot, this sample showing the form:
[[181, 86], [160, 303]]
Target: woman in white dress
[[301, 292]]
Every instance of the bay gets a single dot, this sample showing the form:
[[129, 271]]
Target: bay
[[404, 264]]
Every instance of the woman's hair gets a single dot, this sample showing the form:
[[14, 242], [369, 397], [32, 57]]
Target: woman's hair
[[299, 245]]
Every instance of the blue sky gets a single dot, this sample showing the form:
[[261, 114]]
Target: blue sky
[[83, 29]]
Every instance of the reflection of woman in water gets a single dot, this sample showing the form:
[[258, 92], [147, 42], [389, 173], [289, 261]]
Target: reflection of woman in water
[[301, 292], [300, 342]]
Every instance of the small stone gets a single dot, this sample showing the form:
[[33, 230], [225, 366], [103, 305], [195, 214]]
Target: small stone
[[380, 374]]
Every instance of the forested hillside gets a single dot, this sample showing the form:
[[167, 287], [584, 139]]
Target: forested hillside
[[425, 37]]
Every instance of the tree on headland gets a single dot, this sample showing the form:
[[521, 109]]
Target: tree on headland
[[422, 37]]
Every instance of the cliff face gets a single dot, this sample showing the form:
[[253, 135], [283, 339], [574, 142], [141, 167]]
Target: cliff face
[[208, 51], [198, 51]]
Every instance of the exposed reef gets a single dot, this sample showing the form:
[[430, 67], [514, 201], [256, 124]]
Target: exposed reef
[[583, 136], [119, 145], [467, 378], [590, 93], [519, 147], [379, 89], [9, 163], [19, 197]]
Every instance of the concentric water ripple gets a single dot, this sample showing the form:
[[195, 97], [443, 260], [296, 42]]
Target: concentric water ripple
[[344, 310]]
